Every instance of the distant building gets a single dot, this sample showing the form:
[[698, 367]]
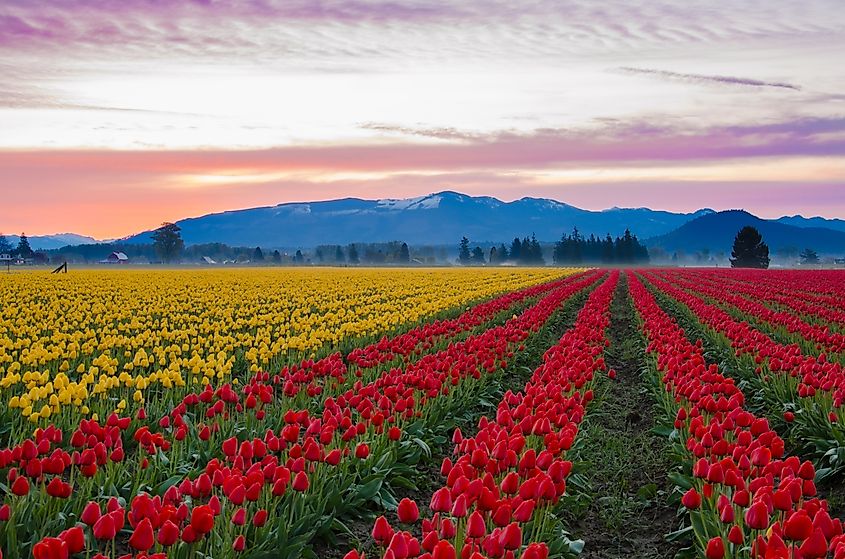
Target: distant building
[[115, 258], [207, 260]]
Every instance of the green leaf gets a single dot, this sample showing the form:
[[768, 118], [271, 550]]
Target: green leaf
[[684, 534], [680, 480]]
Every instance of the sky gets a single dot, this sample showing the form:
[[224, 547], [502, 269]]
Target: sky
[[117, 115]]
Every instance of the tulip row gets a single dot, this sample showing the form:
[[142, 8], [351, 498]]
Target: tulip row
[[814, 337], [304, 472], [784, 294], [503, 485], [807, 391], [333, 374], [424, 336], [745, 499]]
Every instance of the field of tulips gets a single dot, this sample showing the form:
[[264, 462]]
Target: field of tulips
[[395, 414]]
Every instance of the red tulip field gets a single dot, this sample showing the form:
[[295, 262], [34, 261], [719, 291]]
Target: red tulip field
[[597, 413]]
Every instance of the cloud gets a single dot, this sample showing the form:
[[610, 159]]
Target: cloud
[[702, 78], [609, 145], [436, 133]]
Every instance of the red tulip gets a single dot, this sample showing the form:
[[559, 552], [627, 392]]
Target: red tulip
[[691, 499], [815, 546], [715, 549], [168, 534], [443, 550], [408, 511], [143, 537], [362, 451], [239, 518], [300, 482], [441, 500], [798, 527], [74, 538], [476, 527], [382, 532], [5, 512], [260, 518], [202, 519], [511, 536], [50, 548], [239, 544], [757, 516], [104, 528], [20, 486]]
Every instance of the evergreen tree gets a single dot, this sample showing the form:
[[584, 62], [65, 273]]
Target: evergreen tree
[[749, 250], [494, 255], [5, 245], [607, 252], [277, 257], [502, 252], [353, 254], [299, 258], [404, 254], [258, 255], [24, 250], [463, 251], [477, 256], [168, 242], [338, 255], [516, 250], [809, 257], [537, 251]]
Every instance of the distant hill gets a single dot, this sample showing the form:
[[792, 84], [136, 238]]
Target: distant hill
[[716, 231], [49, 242], [441, 218], [801, 221]]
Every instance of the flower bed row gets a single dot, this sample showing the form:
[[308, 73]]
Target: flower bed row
[[775, 291], [503, 485], [744, 497], [821, 337], [809, 390], [234, 469]]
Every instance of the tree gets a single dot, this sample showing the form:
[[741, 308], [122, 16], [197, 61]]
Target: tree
[[338, 255], [277, 257], [298, 257], [749, 250], [5, 245], [24, 250], [516, 250], [258, 255], [477, 255], [502, 253], [494, 255], [809, 257], [353, 254], [463, 251], [168, 242], [404, 254]]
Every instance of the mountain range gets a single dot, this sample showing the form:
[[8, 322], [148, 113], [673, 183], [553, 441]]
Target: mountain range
[[437, 219], [444, 217], [49, 242]]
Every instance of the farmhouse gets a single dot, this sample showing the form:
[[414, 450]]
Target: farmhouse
[[115, 258]]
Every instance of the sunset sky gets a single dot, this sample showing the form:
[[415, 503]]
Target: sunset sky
[[116, 115]]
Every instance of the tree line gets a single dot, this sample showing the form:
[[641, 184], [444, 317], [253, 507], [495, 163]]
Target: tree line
[[571, 249]]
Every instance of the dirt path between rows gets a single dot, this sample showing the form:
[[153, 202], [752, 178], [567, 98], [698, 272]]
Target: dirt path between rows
[[629, 512]]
